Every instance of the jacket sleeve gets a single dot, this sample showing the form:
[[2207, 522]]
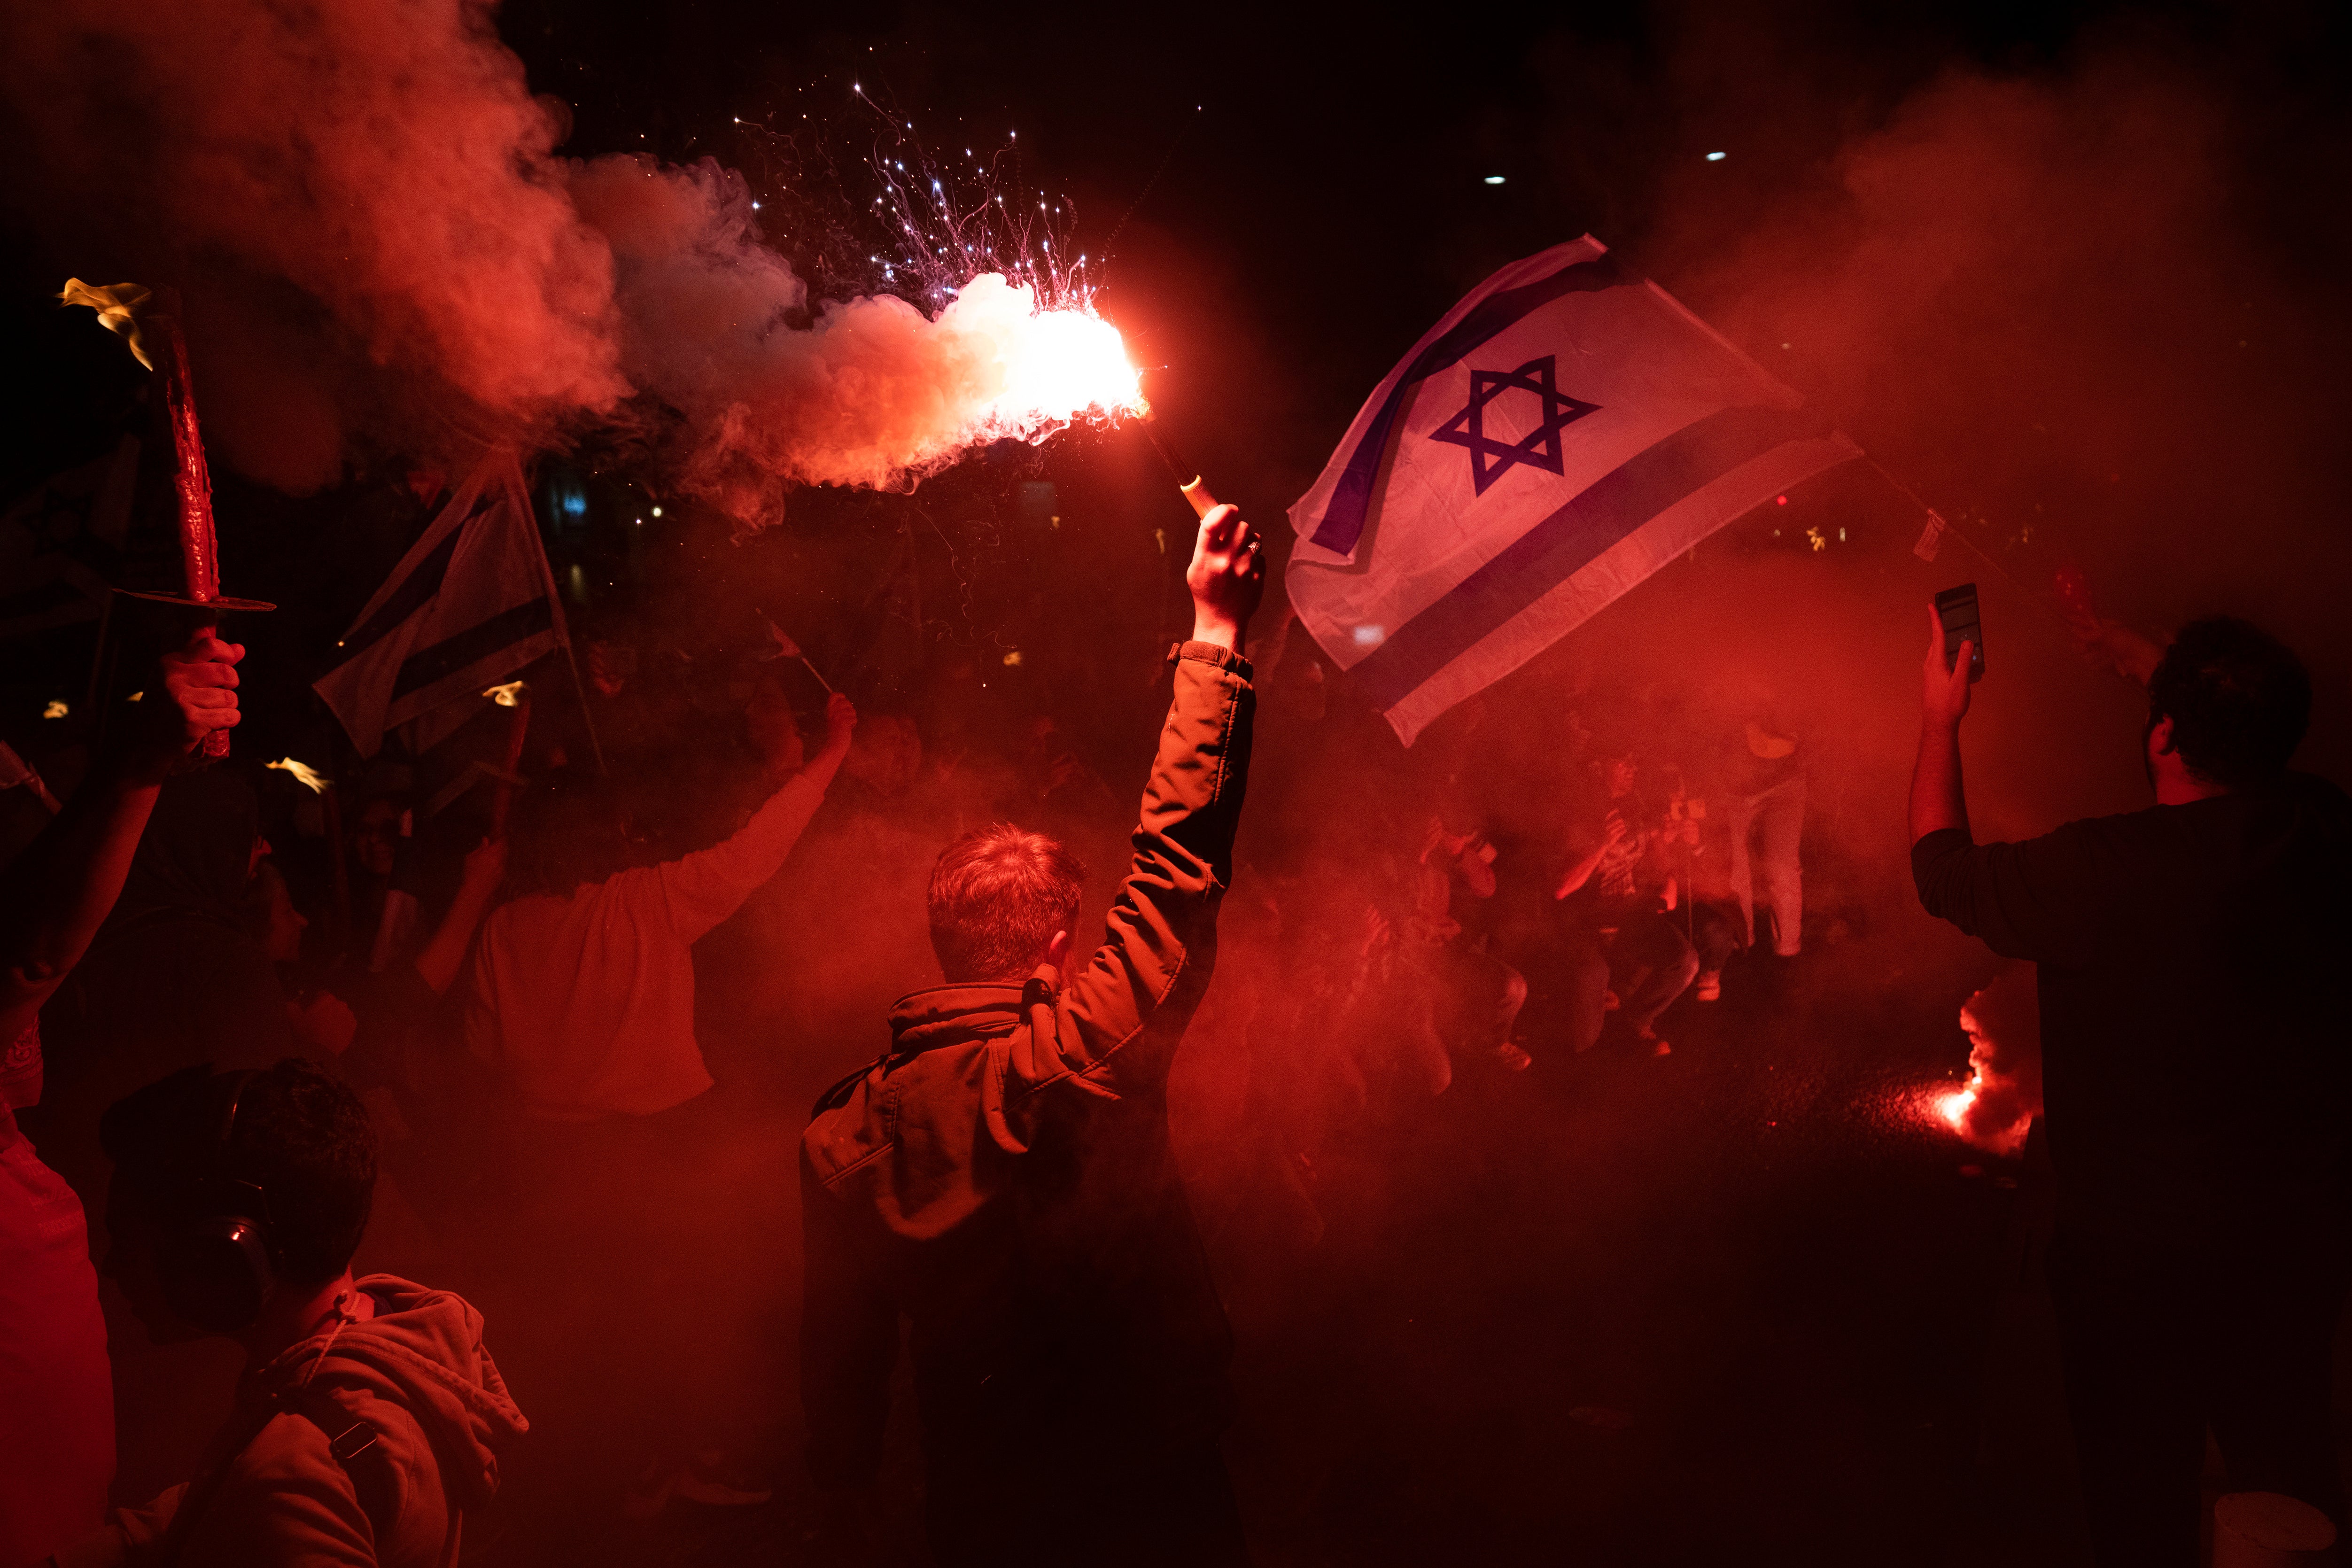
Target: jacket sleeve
[[285, 1502], [2037, 899], [699, 891], [131, 1537], [849, 1344], [1118, 1020]]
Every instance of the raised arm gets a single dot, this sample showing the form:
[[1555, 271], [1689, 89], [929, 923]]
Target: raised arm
[[486, 867], [1579, 870], [62, 888], [1154, 962], [703, 888], [1938, 803]]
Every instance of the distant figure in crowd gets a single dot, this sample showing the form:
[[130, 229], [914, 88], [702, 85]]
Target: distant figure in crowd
[[1764, 772], [2195, 1077], [1002, 1175], [1695, 884], [57, 1399], [387, 906], [368, 1417], [1473, 998], [1618, 933], [583, 991]]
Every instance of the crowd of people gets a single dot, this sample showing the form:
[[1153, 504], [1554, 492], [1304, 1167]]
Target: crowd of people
[[466, 1017], [463, 1026]]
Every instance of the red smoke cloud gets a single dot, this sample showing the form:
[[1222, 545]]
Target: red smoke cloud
[[871, 392], [359, 198], [381, 255], [2003, 1094]]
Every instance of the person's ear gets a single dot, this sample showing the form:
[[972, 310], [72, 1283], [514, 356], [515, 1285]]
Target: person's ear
[[2159, 737], [1058, 951]]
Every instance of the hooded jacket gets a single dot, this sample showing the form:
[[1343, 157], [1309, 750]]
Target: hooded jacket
[[1002, 1175], [270, 1493]]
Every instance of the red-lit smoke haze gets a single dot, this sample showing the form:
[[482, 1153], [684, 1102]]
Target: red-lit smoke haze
[[358, 199], [871, 393], [382, 254], [2003, 1094]]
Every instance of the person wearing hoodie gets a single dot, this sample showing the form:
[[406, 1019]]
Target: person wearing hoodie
[[1002, 1177], [368, 1418]]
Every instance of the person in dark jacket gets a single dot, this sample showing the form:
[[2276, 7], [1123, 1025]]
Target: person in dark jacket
[[2195, 1077], [1002, 1175]]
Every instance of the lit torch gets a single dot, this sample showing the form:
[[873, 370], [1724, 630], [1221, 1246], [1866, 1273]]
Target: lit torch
[[515, 695], [125, 308]]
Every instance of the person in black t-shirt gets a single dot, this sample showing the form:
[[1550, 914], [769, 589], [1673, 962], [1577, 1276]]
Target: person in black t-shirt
[[2197, 1084]]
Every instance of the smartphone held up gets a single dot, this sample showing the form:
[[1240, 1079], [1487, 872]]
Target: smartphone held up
[[1955, 609]]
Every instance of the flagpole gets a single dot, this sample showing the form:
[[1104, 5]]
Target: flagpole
[[562, 629]]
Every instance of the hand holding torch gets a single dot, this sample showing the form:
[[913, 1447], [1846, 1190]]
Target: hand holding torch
[[133, 312]]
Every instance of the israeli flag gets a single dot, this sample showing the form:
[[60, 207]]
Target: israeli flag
[[471, 602], [1561, 434]]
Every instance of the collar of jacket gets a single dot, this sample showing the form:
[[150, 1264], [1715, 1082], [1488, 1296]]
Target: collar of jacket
[[953, 1015]]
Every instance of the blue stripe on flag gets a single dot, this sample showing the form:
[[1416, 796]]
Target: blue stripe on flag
[[448, 655], [1343, 519], [1570, 538]]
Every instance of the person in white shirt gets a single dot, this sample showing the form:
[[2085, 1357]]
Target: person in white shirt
[[584, 988]]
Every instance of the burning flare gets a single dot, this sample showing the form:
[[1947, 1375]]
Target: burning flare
[[506, 696], [1996, 1107], [1060, 366]]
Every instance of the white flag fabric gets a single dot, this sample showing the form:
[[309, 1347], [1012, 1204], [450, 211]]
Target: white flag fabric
[[471, 602], [1561, 434]]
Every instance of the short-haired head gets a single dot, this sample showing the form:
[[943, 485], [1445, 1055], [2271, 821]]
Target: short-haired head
[[2239, 700], [299, 1136], [998, 897]]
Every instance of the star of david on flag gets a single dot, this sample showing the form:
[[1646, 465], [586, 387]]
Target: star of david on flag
[[1561, 434], [1540, 445]]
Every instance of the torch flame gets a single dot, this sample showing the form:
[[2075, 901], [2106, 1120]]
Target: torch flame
[[304, 774], [506, 696]]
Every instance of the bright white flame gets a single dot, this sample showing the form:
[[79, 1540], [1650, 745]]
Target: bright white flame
[[506, 696], [304, 774], [1059, 365], [1494, 179], [1716, 157]]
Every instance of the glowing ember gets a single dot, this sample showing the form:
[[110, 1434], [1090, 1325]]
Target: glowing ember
[[304, 774], [506, 696]]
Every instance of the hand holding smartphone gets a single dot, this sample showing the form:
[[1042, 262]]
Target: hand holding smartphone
[[1956, 610]]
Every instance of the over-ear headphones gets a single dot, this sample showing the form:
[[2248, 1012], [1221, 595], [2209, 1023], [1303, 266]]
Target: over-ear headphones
[[215, 1259]]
